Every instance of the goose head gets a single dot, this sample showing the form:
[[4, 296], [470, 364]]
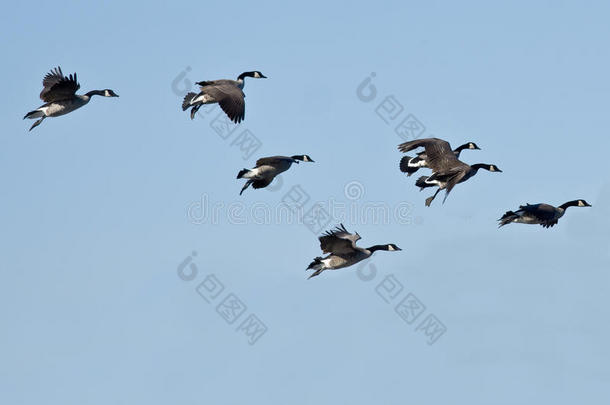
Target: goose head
[[304, 158], [390, 247], [104, 93], [574, 203], [469, 145], [486, 166], [255, 74]]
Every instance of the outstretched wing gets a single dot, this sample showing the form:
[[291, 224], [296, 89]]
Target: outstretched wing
[[272, 160], [262, 183], [57, 87], [545, 214], [439, 154], [229, 97], [339, 241]]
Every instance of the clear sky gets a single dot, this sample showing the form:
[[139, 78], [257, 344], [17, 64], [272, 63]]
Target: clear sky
[[103, 301]]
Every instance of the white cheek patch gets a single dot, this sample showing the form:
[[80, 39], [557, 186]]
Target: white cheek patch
[[257, 75], [581, 204], [390, 247]]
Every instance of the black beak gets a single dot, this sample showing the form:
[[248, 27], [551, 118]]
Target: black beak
[[263, 76]]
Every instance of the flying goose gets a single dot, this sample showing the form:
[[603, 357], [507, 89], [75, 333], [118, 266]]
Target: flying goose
[[447, 170], [59, 93], [410, 164], [267, 168], [227, 93], [343, 250], [545, 215]]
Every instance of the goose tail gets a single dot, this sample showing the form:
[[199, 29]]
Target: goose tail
[[241, 173], [186, 103], [404, 165], [507, 218], [421, 182], [34, 114], [315, 265]]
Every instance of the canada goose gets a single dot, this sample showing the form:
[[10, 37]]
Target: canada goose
[[545, 215], [267, 168], [447, 170], [59, 92], [227, 93], [343, 250], [410, 164]]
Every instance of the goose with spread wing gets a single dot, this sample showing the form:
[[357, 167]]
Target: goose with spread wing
[[410, 164], [227, 93], [267, 168], [545, 215], [447, 170], [59, 93], [343, 250]]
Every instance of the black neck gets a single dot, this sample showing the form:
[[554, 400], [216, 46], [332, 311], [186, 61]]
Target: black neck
[[462, 147], [377, 247], [569, 204], [244, 75], [478, 166], [95, 93]]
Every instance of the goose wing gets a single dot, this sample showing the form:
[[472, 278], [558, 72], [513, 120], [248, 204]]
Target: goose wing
[[262, 183], [57, 87], [439, 154], [546, 214], [272, 160], [339, 241], [229, 97], [451, 177]]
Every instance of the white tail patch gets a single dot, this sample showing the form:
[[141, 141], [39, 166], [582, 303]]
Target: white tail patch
[[251, 173]]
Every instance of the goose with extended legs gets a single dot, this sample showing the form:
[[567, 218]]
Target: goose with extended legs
[[227, 93], [545, 215], [267, 168], [59, 93], [447, 170], [410, 165], [343, 251]]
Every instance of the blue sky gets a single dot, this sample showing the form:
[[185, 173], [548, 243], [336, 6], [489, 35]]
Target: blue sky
[[103, 208]]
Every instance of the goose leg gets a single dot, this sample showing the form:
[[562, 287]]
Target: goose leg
[[245, 186], [316, 273], [194, 110], [37, 123], [429, 199]]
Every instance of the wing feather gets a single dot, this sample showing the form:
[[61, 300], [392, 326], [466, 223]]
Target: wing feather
[[57, 87], [339, 241]]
